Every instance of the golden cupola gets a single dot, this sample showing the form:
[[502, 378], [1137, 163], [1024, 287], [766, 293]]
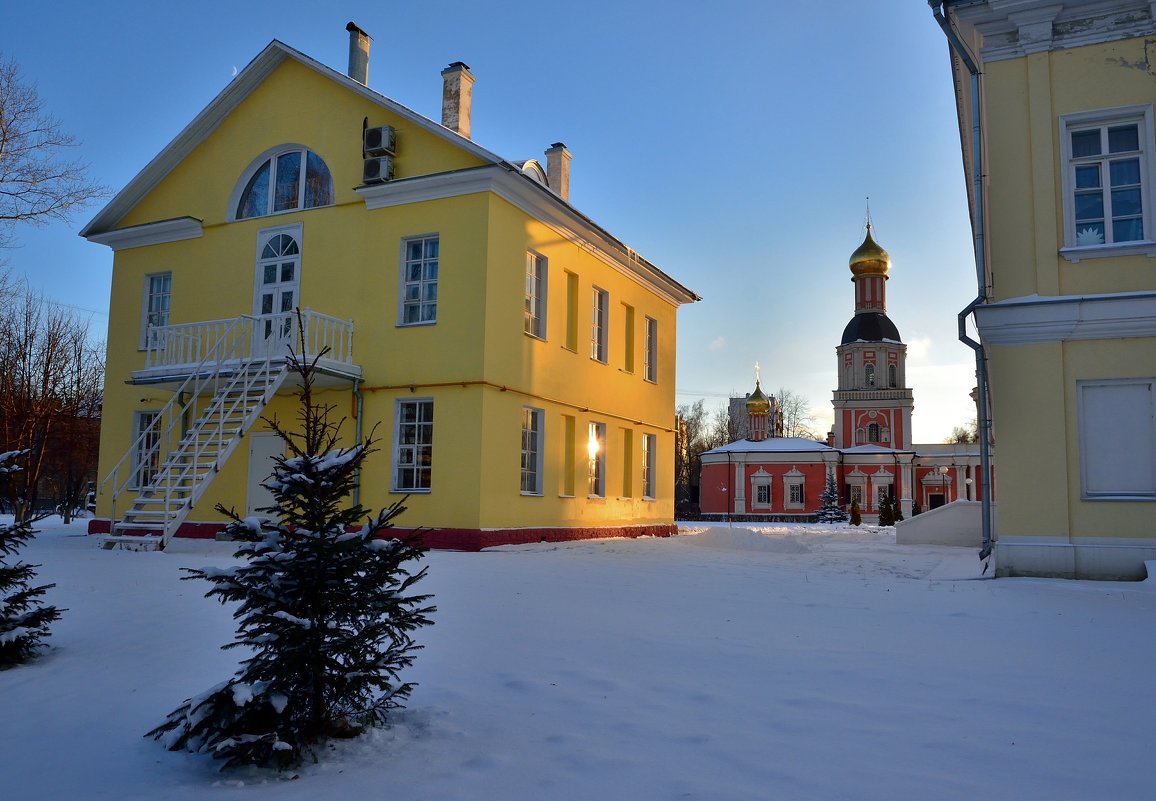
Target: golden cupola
[[869, 258], [757, 402]]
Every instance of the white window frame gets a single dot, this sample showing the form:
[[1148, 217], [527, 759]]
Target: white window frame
[[649, 464], [1121, 439], [271, 155], [413, 449], [1104, 118], [534, 322], [650, 351], [533, 438], [599, 324], [422, 283], [596, 460], [147, 312], [792, 480], [761, 485], [140, 420]]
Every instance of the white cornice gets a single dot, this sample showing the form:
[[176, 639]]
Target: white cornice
[[540, 203], [154, 233], [1024, 321]]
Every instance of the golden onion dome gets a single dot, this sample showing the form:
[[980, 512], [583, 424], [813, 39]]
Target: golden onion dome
[[757, 402], [869, 258]]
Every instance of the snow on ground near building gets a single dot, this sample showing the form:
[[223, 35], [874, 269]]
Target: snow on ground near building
[[785, 662]]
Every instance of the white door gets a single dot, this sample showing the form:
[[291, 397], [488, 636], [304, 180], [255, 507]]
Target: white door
[[263, 449], [278, 282]]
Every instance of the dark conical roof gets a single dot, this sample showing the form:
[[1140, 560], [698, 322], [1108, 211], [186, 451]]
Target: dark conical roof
[[870, 327]]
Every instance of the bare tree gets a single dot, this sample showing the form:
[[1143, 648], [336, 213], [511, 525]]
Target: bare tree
[[964, 434], [37, 183], [693, 436], [796, 414], [50, 388]]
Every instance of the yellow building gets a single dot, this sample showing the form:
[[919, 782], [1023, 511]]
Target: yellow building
[[1055, 106], [514, 360]]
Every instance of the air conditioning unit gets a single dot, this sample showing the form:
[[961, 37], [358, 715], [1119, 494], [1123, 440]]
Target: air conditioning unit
[[377, 170], [380, 141]]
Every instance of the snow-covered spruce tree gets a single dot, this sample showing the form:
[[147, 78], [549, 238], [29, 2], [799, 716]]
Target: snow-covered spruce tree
[[24, 618], [830, 511], [323, 609], [886, 512], [856, 513]]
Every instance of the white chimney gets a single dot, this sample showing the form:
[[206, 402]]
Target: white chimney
[[358, 54], [558, 170], [457, 97]]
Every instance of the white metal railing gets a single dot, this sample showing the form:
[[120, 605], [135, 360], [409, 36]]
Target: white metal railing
[[247, 336]]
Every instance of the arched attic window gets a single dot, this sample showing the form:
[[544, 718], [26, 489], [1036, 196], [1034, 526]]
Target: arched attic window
[[285, 178]]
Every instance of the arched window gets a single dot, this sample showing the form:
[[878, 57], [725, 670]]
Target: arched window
[[872, 432], [284, 179], [869, 371], [892, 376]]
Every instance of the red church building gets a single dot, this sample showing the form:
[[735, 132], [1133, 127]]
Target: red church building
[[763, 477]]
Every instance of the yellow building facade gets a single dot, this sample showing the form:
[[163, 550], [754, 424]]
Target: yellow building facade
[[513, 360], [1056, 117]]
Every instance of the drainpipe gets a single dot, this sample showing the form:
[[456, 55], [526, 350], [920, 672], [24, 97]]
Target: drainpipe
[[358, 400], [938, 10]]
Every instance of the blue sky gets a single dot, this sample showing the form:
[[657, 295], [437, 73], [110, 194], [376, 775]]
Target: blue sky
[[732, 144]]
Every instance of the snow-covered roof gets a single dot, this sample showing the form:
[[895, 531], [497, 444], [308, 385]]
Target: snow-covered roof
[[773, 445], [863, 449]]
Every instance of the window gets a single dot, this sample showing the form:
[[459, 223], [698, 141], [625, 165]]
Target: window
[[628, 338], [278, 280], [869, 371], [535, 313], [627, 436], [855, 493], [413, 446], [274, 184], [599, 309], [158, 295], [532, 451], [419, 281], [1117, 429], [892, 376], [146, 457], [650, 354], [793, 497], [872, 432], [649, 444], [1108, 157], [596, 466], [795, 494], [569, 433], [572, 312], [762, 494]]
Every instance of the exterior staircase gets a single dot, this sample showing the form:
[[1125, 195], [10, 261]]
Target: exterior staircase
[[222, 373]]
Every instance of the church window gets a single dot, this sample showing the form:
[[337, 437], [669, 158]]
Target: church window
[[872, 432], [892, 377], [284, 179], [870, 374], [761, 490]]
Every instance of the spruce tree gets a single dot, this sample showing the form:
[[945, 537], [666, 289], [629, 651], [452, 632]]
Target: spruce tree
[[896, 509], [830, 511], [886, 512], [324, 610], [856, 513], [24, 618]]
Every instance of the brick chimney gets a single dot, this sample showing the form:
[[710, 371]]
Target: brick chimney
[[558, 170], [457, 97], [358, 54]]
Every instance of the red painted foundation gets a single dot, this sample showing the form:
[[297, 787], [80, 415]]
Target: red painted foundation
[[452, 539]]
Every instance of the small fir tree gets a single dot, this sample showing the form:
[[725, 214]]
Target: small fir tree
[[915, 508], [324, 610], [886, 510], [856, 514], [896, 509], [830, 511], [24, 618]]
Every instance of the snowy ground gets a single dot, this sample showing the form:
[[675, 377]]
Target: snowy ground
[[784, 663]]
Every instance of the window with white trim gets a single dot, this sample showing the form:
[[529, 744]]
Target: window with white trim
[[418, 304], [869, 371], [649, 460], [534, 323], [599, 309], [1117, 430], [413, 445], [596, 464], [158, 294], [287, 180], [146, 456], [532, 450], [793, 495], [1108, 166], [761, 489], [650, 353]]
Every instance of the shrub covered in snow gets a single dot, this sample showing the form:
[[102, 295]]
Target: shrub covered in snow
[[325, 611], [24, 618]]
